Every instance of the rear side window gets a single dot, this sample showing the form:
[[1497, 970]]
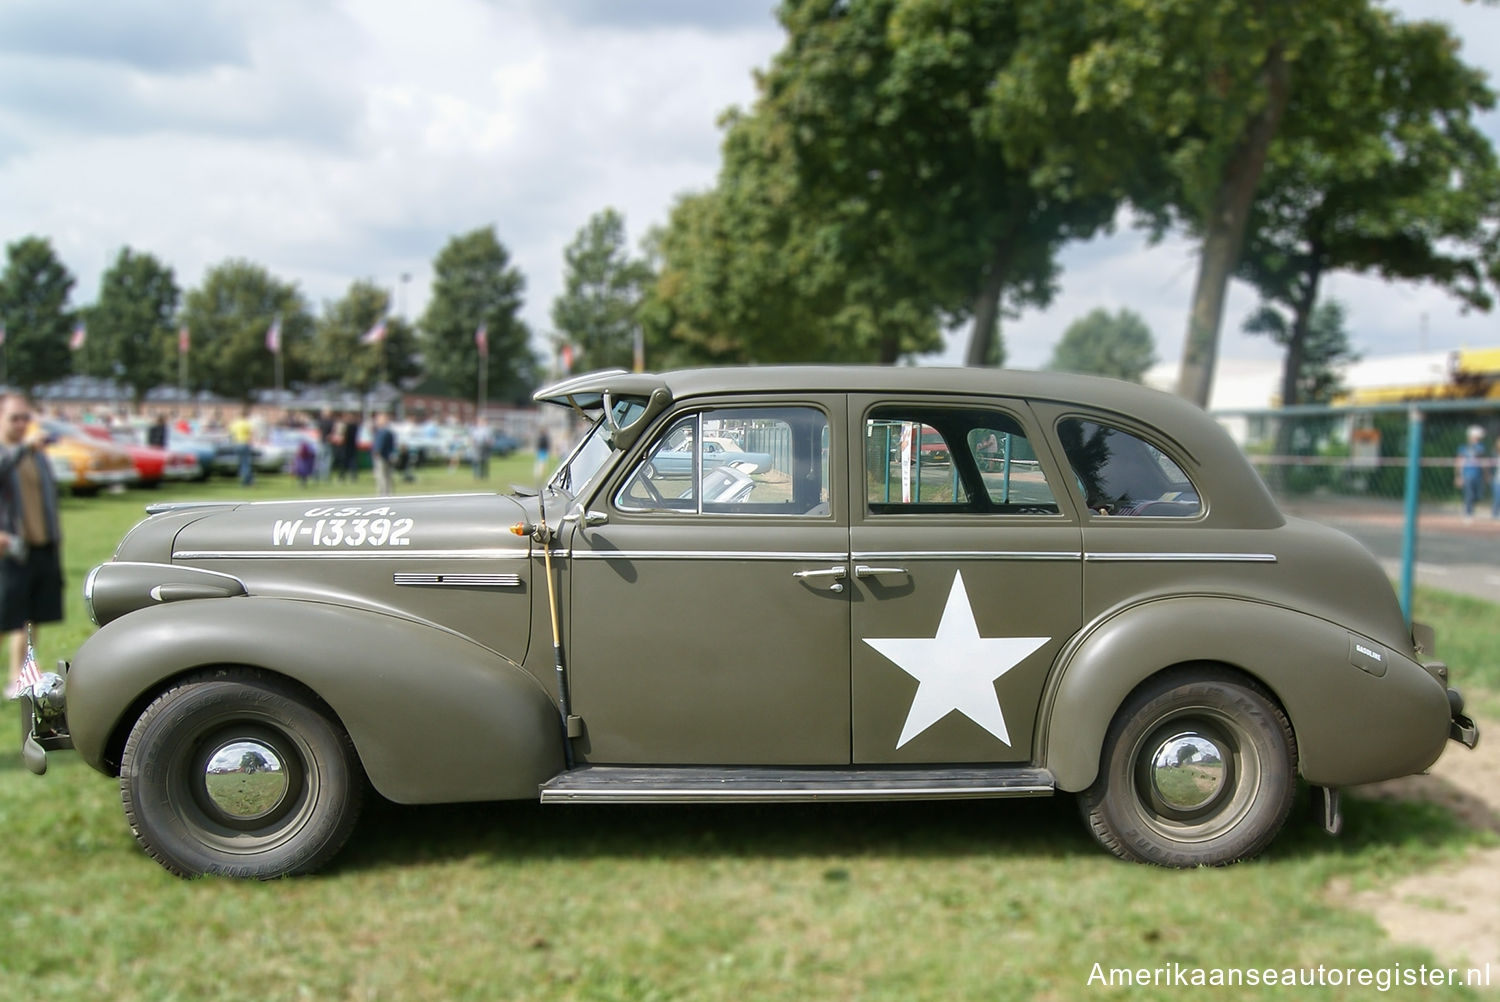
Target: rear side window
[[1122, 474], [951, 460]]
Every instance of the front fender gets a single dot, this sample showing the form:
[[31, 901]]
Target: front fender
[[434, 716], [1351, 726]]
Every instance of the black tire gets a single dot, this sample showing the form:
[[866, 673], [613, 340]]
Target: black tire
[[282, 800], [1144, 806]]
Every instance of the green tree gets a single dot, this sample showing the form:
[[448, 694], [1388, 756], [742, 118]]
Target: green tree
[[876, 191], [34, 292], [1400, 183], [1105, 344], [130, 327], [1184, 100], [598, 310], [342, 350], [475, 285], [1326, 349], [228, 317]]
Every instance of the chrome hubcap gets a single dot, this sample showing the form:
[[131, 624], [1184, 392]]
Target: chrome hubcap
[[245, 779], [1187, 771]]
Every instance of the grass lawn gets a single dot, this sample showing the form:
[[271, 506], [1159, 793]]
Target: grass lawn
[[965, 900]]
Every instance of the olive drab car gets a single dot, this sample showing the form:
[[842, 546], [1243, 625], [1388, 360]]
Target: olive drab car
[[819, 583]]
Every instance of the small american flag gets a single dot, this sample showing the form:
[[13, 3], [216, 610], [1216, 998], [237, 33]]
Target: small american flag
[[273, 336], [374, 335], [30, 673], [80, 335], [184, 341], [482, 340]]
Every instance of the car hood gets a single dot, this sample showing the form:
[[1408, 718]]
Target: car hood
[[430, 525]]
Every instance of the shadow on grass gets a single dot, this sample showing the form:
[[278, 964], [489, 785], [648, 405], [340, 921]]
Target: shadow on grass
[[1044, 828], [397, 834]]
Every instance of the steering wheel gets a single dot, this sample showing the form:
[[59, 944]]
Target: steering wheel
[[644, 478]]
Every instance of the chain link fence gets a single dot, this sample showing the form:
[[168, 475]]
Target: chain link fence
[[1399, 461]]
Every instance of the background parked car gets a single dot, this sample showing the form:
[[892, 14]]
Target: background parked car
[[95, 464], [152, 464]]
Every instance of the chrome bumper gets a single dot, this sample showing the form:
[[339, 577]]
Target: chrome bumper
[[44, 722]]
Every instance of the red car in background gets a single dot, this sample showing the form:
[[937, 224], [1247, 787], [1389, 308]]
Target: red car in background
[[154, 465]]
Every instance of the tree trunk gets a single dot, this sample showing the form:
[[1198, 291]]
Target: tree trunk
[[984, 336], [1291, 371], [1296, 346], [1224, 233]]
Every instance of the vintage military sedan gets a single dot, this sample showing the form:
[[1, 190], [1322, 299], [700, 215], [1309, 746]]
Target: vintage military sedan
[[1092, 593]]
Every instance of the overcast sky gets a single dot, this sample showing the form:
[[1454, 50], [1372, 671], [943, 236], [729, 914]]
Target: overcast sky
[[332, 142]]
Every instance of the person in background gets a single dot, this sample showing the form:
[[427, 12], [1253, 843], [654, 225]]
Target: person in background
[[30, 534], [156, 435], [1468, 471], [543, 453], [242, 433], [327, 435], [1495, 484], [481, 442], [348, 461], [383, 455]]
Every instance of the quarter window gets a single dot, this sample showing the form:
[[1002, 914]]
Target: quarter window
[[1121, 474], [735, 461]]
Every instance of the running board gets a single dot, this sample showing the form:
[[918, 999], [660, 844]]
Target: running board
[[624, 784]]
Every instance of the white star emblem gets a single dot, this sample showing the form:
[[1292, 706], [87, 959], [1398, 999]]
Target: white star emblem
[[956, 670]]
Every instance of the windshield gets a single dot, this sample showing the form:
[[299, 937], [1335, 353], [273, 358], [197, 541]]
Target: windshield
[[593, 452]]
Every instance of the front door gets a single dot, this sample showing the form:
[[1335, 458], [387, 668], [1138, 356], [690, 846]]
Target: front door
[[709, 621], [967, 578]]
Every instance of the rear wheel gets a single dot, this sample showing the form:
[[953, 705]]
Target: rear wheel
[[1199, 769], [233, 772]]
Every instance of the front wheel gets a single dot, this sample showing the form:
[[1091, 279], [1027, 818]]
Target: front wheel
[[233, 772], [1199, 769]]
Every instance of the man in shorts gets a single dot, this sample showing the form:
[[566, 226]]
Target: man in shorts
[[30, 533]]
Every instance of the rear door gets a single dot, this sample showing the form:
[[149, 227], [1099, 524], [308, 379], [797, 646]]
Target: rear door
[[967, 578]]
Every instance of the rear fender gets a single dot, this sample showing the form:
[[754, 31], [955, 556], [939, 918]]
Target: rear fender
[[434, 716], [1351, 726]]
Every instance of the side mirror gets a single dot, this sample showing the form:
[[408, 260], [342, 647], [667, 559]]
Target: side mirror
[[586, 518]]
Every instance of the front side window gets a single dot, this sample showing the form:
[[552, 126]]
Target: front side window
[[931, 459], [735, 461], [1123, 474]]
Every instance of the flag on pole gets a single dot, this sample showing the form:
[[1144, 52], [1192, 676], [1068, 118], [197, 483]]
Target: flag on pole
[[184, 341], [567, 359], [375, 334], [482, 341], [273, 336], [80, 335], [30, 673], [2, 335]]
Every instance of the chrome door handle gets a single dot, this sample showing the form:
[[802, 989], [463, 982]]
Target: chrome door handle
[[828, 572], [866, 571]]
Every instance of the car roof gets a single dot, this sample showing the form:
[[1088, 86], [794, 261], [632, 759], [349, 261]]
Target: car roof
[[1153, 406]]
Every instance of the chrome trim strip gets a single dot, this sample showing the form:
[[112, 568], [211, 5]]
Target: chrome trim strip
[[432, 579], [707, 555], [367, 501], [1158, 557], [640, 795], [350, 553], [967, 554]]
